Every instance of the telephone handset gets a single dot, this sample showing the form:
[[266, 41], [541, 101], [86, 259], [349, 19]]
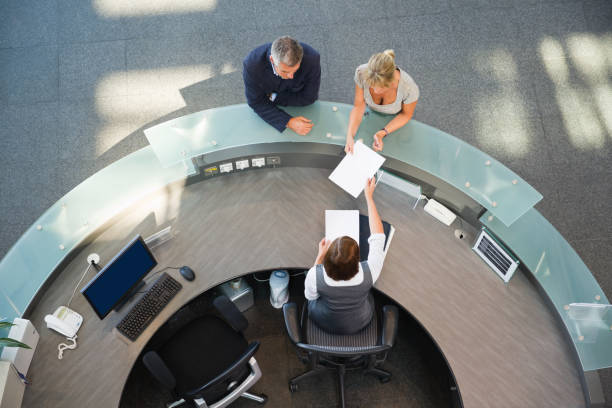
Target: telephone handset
[[64, 321]]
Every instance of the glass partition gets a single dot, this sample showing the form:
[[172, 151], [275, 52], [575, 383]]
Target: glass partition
[[562, 274], [590, 320], [566, 280], [62, 227], [466, 168]]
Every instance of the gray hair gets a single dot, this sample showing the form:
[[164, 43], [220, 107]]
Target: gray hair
[[287, 50]]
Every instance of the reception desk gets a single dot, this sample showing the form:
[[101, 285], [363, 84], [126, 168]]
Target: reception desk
[[504, 343]]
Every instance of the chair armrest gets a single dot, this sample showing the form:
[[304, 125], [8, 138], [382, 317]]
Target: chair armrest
[[159, 369], [291, 322], [237, 391], [242, 361], [389, 327], [230, 313]]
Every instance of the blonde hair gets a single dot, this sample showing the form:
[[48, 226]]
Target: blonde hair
[[381, 68]]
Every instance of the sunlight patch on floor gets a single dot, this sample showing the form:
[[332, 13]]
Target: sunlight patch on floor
[[134, 8], [151, 95], [507, 129], [587, 57]]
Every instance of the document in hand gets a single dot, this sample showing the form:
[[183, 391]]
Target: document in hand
[[364, 234], [339, 223], [355, 169]]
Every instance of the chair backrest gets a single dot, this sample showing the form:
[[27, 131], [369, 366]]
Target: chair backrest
[[342, 352], [365, 341], [217, 387], [200, 349], [309, 337]]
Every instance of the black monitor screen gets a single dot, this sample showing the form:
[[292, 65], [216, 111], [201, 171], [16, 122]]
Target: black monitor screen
[[119, 276]]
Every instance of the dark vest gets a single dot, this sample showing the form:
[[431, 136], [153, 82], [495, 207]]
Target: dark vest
[[342, 309]]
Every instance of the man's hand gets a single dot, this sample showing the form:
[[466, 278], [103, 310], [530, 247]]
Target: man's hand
[[300, 125], [369, 188], [378, 140], [350, 145], [323, 247]]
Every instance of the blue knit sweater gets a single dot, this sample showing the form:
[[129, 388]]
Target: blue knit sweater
[[260, 81]]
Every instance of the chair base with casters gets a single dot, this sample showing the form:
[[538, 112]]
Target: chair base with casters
[[236, 391], [208, 362], [365, 350]]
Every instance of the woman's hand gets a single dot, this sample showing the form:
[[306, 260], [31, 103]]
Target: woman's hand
[[369, 188], [323, 247], [350, 144], [378, 140]]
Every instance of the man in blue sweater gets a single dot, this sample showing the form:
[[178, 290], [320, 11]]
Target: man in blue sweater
[[285, 73]]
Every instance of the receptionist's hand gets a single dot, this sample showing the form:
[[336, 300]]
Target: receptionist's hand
[[369, 188], [378, 140], [323, 247], [300, 125]]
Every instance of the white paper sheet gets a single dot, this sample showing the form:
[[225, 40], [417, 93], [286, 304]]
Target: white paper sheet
[[355, 169], [339, 223]]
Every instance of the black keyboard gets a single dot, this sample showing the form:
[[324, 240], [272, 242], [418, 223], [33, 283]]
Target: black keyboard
[[149, 306]]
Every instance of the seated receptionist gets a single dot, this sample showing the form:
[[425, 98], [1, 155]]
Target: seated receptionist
[[285, 73], [384, 88], [338, 286]]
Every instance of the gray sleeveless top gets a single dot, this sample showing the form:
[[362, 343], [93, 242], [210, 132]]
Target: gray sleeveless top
[[407, 92], [342, 309]]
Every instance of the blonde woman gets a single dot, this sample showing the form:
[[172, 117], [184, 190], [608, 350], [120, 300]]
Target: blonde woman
[[384, 88]]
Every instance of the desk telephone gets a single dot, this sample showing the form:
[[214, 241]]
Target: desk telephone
[[64, 321]]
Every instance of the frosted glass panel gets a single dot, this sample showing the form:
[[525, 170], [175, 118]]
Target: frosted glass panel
[[70, 220], [481, 177], [508, 199], [590, 320], [565, 279], [7, 310]]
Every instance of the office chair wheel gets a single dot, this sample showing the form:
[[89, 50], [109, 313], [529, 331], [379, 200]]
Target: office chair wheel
[[384, 380], [293, 387]]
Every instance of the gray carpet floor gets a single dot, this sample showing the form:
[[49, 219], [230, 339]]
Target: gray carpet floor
[[527, 81]]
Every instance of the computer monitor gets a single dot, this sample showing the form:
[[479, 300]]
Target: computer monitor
[[116, 280]]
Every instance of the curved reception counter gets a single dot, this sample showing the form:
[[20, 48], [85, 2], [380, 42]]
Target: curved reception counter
[[241, 197]]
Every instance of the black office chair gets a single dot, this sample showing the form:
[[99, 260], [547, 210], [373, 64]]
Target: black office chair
[[208, 362], [366, 349]]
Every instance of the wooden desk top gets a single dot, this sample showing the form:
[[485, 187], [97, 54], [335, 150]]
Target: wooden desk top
[[502, 343]]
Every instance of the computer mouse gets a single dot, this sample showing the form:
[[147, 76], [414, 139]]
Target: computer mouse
[[187, 273]]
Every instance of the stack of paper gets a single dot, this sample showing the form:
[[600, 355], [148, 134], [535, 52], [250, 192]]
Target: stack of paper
[[339, 223], [355, 169]]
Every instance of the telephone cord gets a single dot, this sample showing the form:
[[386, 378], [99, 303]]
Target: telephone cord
[[63, 346], [77, 285]]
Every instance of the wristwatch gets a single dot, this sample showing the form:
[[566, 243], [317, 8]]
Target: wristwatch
[[386, 131]]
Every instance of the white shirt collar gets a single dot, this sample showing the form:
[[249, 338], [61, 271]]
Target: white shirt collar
[[274, 68]]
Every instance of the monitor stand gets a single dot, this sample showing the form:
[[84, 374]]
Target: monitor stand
[[129, 295]]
